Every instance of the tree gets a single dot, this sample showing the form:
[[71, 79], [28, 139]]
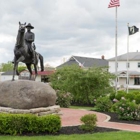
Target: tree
[[84, 85], [6, 66], [9, 67], [21, 68]]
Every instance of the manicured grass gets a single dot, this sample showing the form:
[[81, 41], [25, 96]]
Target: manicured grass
[[82, 107], [134, 90], [120, 135]]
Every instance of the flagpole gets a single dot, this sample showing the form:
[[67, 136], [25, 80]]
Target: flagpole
[[116, 52], [115, 3], [127, 60]]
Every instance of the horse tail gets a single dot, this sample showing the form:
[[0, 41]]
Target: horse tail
[[41, 61]]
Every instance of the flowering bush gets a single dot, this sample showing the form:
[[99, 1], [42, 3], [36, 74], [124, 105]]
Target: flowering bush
[[112, 95], [130, 96], [63, 98], [127, 110], [137, 98], [138, 111], [120, 94], [103, 104], [115, 100]]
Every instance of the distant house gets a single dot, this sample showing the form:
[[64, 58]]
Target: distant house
[[7, 76], [47, 67], [24, 75], [0, 75], [85, 62], [133, 68], [43, 76]]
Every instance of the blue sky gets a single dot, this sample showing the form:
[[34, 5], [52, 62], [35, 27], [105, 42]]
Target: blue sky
[[69, 27]]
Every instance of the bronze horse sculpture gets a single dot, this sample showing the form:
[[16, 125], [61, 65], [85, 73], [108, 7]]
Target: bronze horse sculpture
[[23, 54]]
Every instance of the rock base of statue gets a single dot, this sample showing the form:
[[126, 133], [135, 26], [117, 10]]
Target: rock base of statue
[[25, 94], [36, 111]]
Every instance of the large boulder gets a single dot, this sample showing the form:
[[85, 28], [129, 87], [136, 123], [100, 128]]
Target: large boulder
[[24, 94]]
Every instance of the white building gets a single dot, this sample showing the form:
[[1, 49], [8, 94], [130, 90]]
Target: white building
[[43, 76], [133, 69], [7, 76]]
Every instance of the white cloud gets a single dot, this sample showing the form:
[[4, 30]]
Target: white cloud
[[6, 38]]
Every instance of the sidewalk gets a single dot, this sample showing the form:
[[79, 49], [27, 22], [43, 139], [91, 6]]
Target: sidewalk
[[71, 117]]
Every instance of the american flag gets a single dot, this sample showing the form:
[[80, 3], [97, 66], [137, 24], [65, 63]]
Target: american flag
[[114, 3]]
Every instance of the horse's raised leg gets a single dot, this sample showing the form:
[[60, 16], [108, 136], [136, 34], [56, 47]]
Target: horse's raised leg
[[30, 70]]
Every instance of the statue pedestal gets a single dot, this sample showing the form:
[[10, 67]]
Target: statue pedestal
[[36, 111], [25, 94]]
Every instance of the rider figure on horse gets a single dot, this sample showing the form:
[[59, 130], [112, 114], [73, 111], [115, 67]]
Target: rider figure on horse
[[24, 51], [29, 38]]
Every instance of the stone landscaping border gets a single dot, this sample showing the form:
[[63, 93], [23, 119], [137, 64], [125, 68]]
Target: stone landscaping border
[[36, 111]]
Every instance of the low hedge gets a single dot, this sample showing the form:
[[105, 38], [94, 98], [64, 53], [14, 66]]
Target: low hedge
[[14, 124]]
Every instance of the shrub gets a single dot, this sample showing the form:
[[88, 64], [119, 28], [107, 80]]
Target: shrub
[[136, 92], [103, 104], [112, 96], [89, 122], [138, 111], [63, 99], [14, 124], [126, 110], [120, 94], [130, 96], [137, 98]]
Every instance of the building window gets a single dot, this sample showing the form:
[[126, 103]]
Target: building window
[[138, 64], [137, 81]]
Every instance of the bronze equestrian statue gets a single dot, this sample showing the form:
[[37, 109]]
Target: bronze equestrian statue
[[24, 51]]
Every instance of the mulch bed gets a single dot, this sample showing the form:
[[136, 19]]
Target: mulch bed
[[76, 130], [114, 118], [68, 130]]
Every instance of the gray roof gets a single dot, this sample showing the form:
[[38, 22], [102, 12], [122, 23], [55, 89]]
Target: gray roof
[[132, 56], [85, 62]]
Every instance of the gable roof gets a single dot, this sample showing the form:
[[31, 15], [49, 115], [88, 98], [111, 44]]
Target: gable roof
[[85, 62], [132, 56]]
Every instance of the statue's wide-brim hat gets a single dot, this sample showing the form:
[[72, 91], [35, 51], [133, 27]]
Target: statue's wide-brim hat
[[30, 26]]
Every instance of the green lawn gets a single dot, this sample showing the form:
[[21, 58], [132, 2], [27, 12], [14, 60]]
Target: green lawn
[[120, 135], [134, 90], [82, 107]]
